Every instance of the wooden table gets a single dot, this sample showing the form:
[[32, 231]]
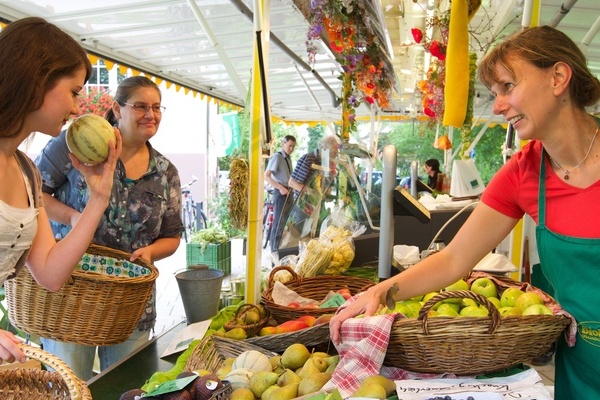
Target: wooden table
[[133, 371]]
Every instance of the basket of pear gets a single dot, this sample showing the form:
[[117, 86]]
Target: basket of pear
[[250, 318]]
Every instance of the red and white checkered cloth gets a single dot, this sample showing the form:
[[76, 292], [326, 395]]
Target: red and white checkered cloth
[[363, 348]]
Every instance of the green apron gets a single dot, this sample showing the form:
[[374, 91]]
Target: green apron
[[572, 266]]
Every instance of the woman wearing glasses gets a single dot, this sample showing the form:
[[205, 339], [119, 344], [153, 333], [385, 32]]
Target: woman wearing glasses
[[143, 215]]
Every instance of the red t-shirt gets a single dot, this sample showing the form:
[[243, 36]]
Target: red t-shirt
[[513, 191]]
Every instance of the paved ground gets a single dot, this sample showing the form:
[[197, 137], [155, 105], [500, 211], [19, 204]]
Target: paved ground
[[169, 305]]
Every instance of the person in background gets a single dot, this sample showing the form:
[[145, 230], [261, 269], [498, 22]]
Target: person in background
[[39, 87], [432, 168], [542, 86], [277, 174], [304, 169], [143, 216]]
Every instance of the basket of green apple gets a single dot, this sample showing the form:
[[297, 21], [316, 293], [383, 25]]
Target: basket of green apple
[[481, 324]]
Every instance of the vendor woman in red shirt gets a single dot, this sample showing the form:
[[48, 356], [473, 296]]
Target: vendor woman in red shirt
[[542, 86]]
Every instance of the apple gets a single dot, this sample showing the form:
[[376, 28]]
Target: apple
[[537, 309], [417, 298], [485, 287], [468, 302], [509, 296], [527, 299], [428, 296], [506, 311], [448, 309], [495, 301], [478, 312], [414, 307], [400, 308], [461, 284], [466, 311], [294, 304]]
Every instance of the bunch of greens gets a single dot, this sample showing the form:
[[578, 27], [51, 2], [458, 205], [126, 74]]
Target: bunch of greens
[[213, 235]]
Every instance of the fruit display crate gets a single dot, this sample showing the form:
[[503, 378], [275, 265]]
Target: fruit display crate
[[216, 256]]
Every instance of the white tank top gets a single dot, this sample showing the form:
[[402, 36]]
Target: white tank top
[[17, 230]]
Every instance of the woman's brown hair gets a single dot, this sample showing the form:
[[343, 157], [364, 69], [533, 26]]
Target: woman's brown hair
[[125, 90], [543, 46], [34, 55]]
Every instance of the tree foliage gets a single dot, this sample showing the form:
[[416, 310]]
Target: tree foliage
[[414, 141]]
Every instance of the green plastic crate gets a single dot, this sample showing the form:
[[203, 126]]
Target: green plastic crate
[[216, 256]]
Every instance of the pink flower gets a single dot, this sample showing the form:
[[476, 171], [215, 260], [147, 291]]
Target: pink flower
[[429, 112]]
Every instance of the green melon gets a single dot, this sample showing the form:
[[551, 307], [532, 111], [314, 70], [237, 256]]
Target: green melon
[[88, 137]]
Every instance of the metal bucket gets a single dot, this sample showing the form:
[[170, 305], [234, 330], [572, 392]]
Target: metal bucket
[[200, 293]]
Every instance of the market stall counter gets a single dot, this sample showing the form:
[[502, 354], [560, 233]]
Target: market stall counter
[[133, 370]]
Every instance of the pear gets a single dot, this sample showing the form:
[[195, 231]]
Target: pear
[[370, 391], [295, 356], [288, 377], [251, 317], [332, 360], [261, 380], [236, 333], [313, 383], [288, 392], [276, 364], [320, 363], [202, 372], [223, 371], [241, 394], [388, 384], [267, 392], [309, 368], [228, 361], [320, 354]]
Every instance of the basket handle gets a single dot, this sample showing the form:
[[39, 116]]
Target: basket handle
[[77, 388], [245, 308], [281, 268], [453, 294]]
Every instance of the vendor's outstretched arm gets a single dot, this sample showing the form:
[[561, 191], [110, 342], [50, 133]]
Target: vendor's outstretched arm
[[479, 235]]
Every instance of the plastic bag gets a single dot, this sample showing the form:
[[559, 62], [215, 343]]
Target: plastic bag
[[339, 235], [314, 258]]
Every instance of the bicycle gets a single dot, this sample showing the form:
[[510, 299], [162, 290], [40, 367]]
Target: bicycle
[[192, 216], [268, 218]]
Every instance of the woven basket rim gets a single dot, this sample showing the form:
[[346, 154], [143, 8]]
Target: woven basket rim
[[321, 282], [78, 389], [251, 329], [98, 250]]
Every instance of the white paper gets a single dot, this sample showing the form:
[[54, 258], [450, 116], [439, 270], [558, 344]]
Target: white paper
[[182, 340], [526, 385], [495, 263]]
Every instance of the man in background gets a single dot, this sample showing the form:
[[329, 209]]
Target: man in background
[[277, 174]]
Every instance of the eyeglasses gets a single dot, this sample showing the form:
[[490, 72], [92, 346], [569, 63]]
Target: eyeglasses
[[144, 108]]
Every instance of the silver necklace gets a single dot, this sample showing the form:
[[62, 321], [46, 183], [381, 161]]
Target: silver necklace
[[567, 171]]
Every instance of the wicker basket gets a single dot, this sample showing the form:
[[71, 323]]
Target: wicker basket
[[314, 337], [27, 384], [251, 329], [212, 350], [101, 305], [469, 345], [315, 288]]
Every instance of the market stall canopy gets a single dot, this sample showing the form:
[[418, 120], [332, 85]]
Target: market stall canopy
[[206, 46]]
